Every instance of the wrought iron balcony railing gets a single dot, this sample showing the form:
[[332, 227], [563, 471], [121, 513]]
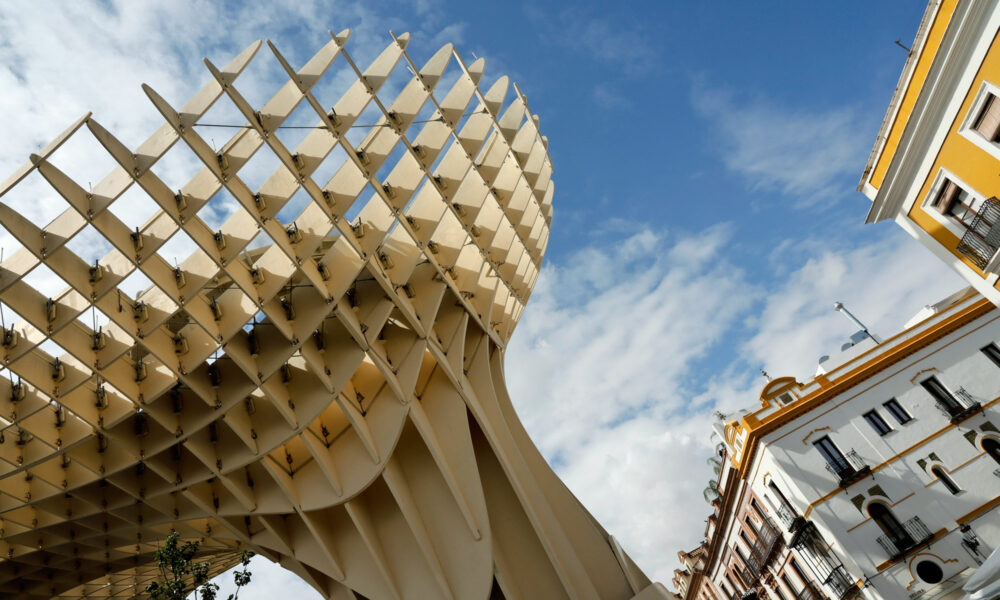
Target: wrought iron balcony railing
[[839, 582], [969, 406], [763, 547], [904, 538], [982, 240], [785, 515], [848, 468]]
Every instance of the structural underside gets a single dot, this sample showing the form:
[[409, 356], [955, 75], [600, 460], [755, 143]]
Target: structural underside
[[321, 379]]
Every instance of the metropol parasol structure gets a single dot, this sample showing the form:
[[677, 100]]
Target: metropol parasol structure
[[319, 378]]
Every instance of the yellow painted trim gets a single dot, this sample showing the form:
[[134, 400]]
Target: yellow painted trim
[[913, 559], [896, 457], [967, 161], [913, 88], [979, 511], [891, 505], [805, 440], [854, 377], [937, 535], [913, 381], [963, 464]]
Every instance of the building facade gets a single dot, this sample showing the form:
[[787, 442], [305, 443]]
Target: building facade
[[745, 554], [933, 169], [882, 473]]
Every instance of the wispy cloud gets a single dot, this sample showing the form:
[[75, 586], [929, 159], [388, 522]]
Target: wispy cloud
[[605, 351], [802, 153], [609, 97], [884, 284], [612, 368], [628, 46]]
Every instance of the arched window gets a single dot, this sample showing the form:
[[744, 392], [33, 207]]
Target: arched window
[[943, 477], [890, 525], [992, 447]]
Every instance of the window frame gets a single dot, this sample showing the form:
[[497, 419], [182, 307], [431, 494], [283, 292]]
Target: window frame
[[896, 409], [952, 224], [992, 352], [824, 450], [877, 422], [946, 398], [938, 472], [968, 127], [995, 444]]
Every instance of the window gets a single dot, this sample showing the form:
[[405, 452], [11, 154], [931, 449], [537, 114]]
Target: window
[[943, 477], [897, 411], [992, 447], [954, 201], [788, 583], [798, 571], [833, 456], [777, 590], [877, 422], [756, 508], [889, 524], [929, 572], [988, 121], [969, 215], [992, 352], [746, 540], [941, 394]]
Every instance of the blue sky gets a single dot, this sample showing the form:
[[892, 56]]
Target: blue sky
[[706, 156]]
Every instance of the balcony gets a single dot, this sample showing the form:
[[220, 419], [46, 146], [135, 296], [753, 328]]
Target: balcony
[[908, 536], [840, 583], [982, 239], [848, 468], [785, 515], [763, 547], [971, 406]]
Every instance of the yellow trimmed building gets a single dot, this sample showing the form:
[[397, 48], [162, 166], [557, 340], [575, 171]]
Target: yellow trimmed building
[[935, 167], [882, 472]]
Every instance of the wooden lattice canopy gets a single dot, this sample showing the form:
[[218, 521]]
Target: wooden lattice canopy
[[321, 379]]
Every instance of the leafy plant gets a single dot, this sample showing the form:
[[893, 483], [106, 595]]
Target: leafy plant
[[180, 574], [712, 491]]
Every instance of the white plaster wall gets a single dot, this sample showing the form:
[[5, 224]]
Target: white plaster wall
[[798, 469]]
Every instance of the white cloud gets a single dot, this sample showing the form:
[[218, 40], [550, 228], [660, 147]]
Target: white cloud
[[605, 351], [612, 348], [798, 152], [883, 284]]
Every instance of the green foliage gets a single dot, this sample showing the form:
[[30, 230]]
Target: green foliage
[[712, 491], [180, 574]]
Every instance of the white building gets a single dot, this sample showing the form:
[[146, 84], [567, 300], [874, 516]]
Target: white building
[[884, 469]]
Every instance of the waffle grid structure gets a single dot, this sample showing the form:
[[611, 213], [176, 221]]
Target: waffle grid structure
[[331, 398]]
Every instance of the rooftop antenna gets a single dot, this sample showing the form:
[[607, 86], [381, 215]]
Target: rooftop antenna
[[839, 307]]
